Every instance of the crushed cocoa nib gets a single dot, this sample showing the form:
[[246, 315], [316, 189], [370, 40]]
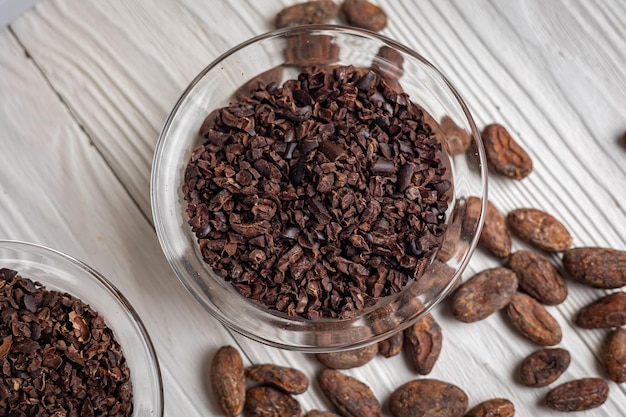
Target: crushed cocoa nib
[[57, 356], [321, 195]]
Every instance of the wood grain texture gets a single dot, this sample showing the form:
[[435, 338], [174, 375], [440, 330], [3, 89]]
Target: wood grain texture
[[553, 73]]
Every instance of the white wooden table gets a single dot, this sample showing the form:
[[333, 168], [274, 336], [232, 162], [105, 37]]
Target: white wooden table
[[86, 85]]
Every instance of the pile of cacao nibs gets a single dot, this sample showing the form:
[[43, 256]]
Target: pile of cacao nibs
[[57, 355], [321, 195]]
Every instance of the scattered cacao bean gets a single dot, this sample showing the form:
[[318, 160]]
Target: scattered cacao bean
[[228, 381], [614, 356], [392, 345], [540, 229], [307, 13], [538, 277], [318, 413], [428, 398], [578, 395], [265, 401], [290, 380], [351, 397], [497, 407], [596, 267], [533, 321], [504, 155], [608, 311], [544, 366], [483, 294], [363, 14], [347, 359], [456, 138], [495, 236], [422, 344]]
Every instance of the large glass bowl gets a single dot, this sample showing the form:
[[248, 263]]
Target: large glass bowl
[[60, 272], [215, 86]]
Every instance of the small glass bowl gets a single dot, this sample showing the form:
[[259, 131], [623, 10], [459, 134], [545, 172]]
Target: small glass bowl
[[60, 272], [215, 87]]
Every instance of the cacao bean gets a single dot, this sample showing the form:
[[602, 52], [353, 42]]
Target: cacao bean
[[265, 401], [290, 380], [228, 381], [351, 397], [533, 321], [578, 395], [307, 13], [596, 267], [363, 14], [504, 155], [544, 366], [495, 236], [392, 345], [483, 294], [538, 277], [422, 344], [540, 229], [608, 311], [347, 359], [428, 398], [614, 357], [497, 407]]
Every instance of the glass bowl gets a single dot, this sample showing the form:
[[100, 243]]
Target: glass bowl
[[289, 50], [60, 272]]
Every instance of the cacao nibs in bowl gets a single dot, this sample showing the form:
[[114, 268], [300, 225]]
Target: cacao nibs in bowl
[[321, 195], [57, 354]]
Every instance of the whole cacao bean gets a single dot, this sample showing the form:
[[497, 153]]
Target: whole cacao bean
[[422, 344], [363, 14], [596, 267], [290, 380], [540, 229], [318, 413], [347, 359], [608, 311], [614, 357], [497, 407], [228, 381], [392, 345], [504, 155], [538, 277], [544, 366], [456, 138], [495, 236], [351, 397], [578, 395], [307, 13], [428, 398], [483, 294], [533, 321], [265, 401]]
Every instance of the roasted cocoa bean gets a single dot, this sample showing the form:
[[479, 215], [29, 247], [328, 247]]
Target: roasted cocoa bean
[[422, 344], [391, 346], [504, 155], [495, 236], [228, 381], [363, 14], [497, 407], [473, 207], [290, 380], [456, 138], [428, 398], [351, 397], [388, 62], [533, 321], [483, 294], [544, 366], [347, 359], [265, 401], [608, 311], [308, 49], [614, 355], [596, 267], [540, 229], [307, 13], [538, 277], [578, 395]]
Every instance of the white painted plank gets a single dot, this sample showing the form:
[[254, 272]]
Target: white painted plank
[[57, 190], [552, 72]]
